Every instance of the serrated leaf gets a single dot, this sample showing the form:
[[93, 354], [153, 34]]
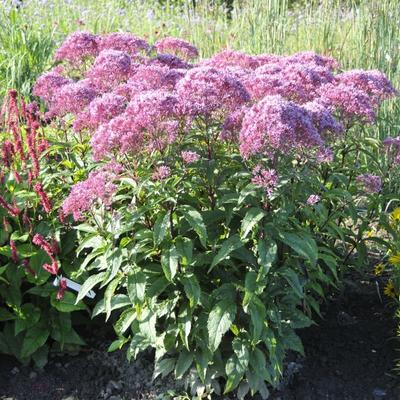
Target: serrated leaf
[[117, 301], [195, 220], [192, 289], [136, 286], [229, 245], [34, 339], [219, 321], [303, 245], [183, 363], [161, 227], [267, 250], [169, 262], [252, 217], [89, 284], [163, 367], [109, 293], [125, 321]]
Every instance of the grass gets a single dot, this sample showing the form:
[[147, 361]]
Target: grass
[[362, 34]]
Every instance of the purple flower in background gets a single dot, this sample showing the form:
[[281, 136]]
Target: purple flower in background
[[371, 183], [313, 199], [161, 173], [190, 157]]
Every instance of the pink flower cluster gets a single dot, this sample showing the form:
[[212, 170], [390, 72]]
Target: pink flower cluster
[[134, 97], [190, 157], [99, 186], [265, 178]]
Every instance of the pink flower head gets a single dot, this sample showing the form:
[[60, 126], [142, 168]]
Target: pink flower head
[[150, 77], [233, 124], [48, 84], [232, 58], [51, 268], [265, 59], [310, 57], [297, 82], [161, 173], [323, 119], [39, 240], [44, 199], [324, 155], [110, 68], [98, 186], [177, 47], [205, 90], [374, 83], [73, 98], [12, 210], [313, 199], [371, 183], [100, 110], [125, 42], [276, 123], [350, 101], [170, 61], [265, 178], [77, 47], [190, 157]]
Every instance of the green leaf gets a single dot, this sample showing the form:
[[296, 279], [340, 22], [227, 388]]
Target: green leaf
[[136, 285], [252, 217], [169, 262], [161, 227], [34, 339], [125, 321], [234, 373], [303, 245], [109, 293], [117, 301], [6, 315], [183, 363], [89, 284], [117, 344], [267, 250], [293, 280], [114, 262], [219, 321], [195, 220], [228, 246], [163, 367], [192, 289]]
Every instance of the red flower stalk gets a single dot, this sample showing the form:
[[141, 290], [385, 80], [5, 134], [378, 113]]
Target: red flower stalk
[[12, 210], [28, 268], [26, 220], [18, 141], [39, 241], [51, 268], [61, 290], [14, 253], [61, 215], [43, 197], [17, 176], [7, 153]]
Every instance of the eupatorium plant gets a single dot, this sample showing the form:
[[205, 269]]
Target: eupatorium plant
[[222, 197]]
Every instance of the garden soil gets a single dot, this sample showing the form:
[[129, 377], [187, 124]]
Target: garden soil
[[350, 355]]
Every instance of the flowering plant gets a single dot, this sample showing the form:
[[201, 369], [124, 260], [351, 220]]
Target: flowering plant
[[33, 243], [223, 197]]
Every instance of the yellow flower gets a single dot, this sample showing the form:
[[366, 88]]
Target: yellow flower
[[370, 233], [395, 260], [389, 289], [379, 268], [395, 216]]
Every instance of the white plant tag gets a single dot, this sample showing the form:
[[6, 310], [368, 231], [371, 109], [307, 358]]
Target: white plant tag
[[74, 286]]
